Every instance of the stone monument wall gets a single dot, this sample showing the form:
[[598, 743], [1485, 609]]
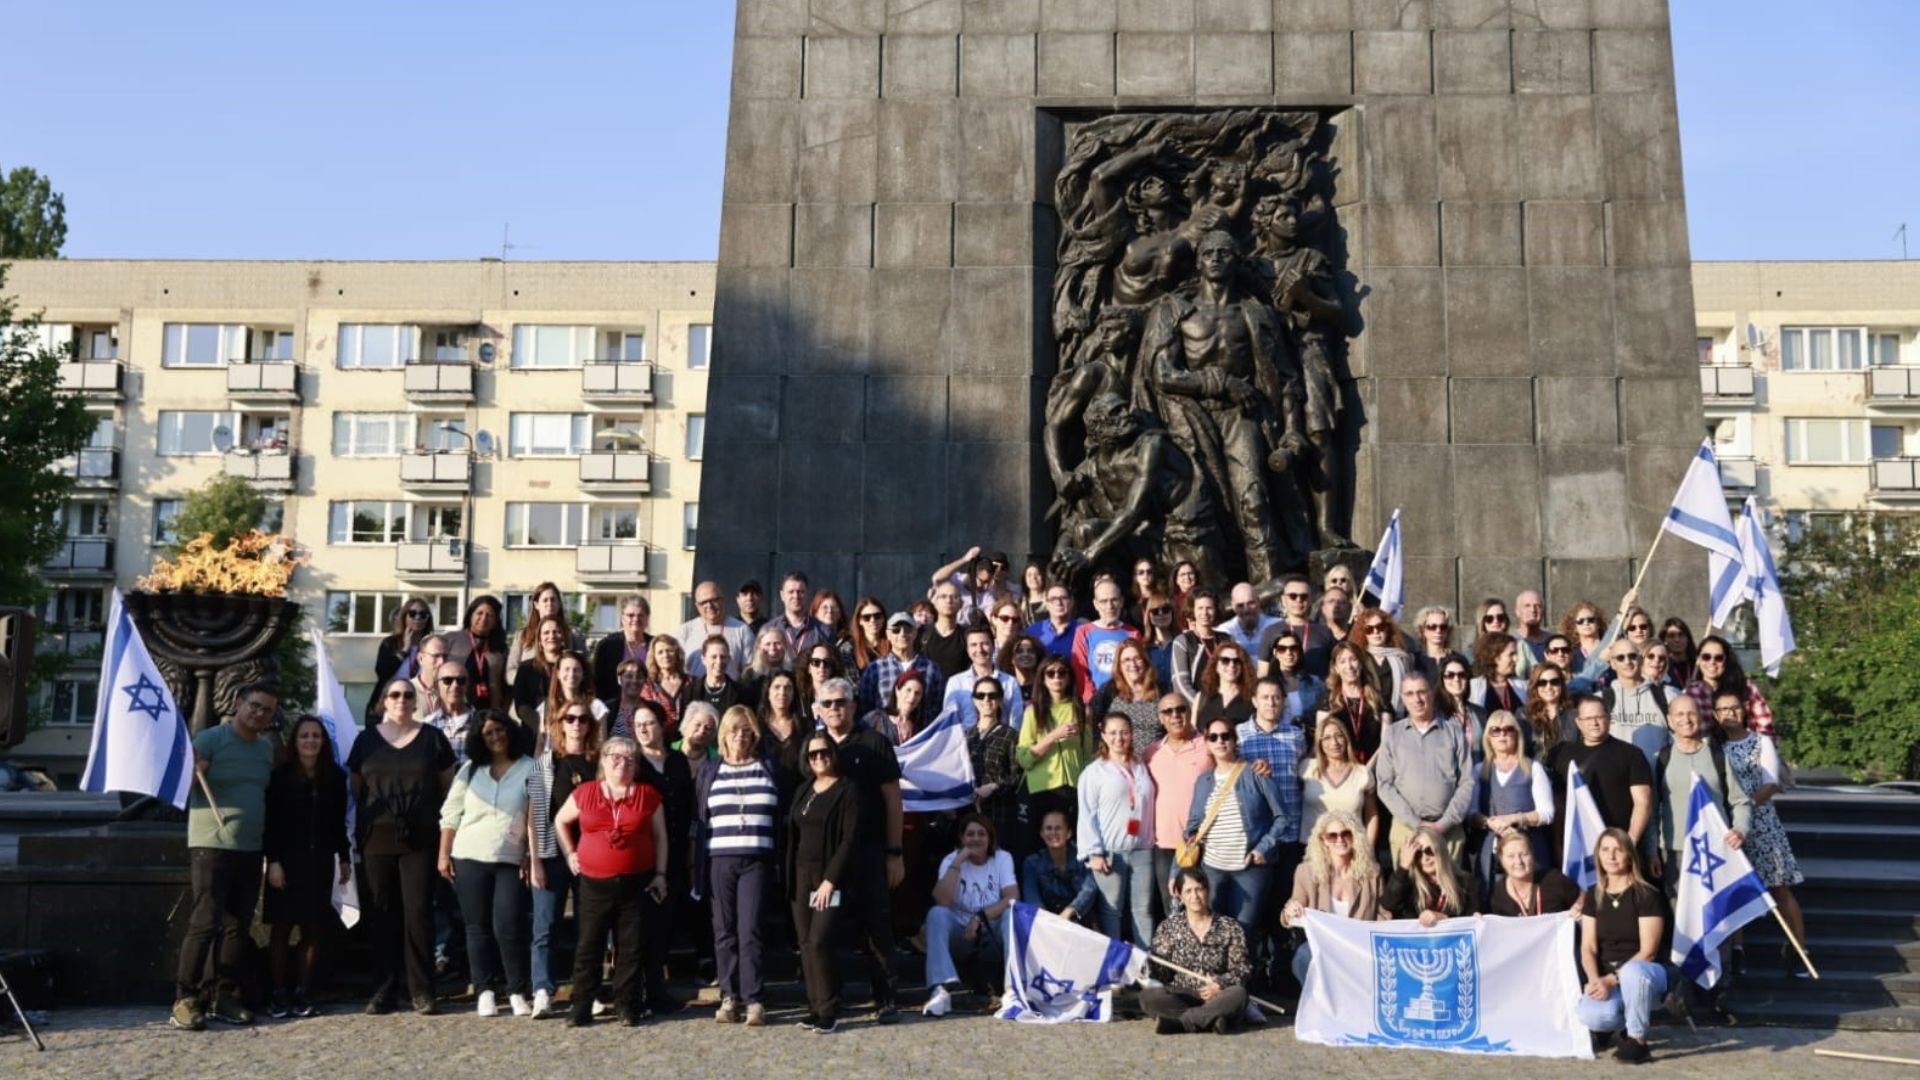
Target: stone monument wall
[[1507, 184]]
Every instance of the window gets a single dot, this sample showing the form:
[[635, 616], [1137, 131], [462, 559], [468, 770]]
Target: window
[[437, 433], [449, 346], [547, 434], [100, 344], [603, 613], [699, 346], [1822, 348], [689, 525], [164, 511], [74, 701], [55, 338], [615, 524], [696, 435], [624, 346], [265, 431], [201, 344], [1826, 442], [105, 431], [88, 519], [1804, 523], [1887, 441], [76, 609], [362, 612], [371, 434], [273, 519], [275, 345], [185, 433], [366, 522], [1704, 346], [1733, 436], [377, 345], [1885, 350], [545, 524], [551, 346], [437, 521]]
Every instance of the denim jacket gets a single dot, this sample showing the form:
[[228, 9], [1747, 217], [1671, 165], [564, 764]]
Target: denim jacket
[[1261, 812]]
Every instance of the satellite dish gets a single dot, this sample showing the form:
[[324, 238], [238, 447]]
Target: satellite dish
[[223, 438], [486, 352], [1756, 338], [483, 443]]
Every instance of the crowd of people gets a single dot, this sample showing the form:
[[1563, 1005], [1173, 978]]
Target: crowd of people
[[1191, 769]]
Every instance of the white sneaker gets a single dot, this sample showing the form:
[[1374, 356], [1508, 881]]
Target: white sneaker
[[600, 1007], [486, 1006], [939, 1003], [519, 1005], [542, 1004]]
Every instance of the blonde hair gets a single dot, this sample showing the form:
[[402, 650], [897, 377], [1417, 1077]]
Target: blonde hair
[[740, 718], [1320, 860], [1446, 881], [1519, 739]]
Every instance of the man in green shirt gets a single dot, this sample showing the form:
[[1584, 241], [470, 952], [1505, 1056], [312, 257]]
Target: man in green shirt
[[234, 762]]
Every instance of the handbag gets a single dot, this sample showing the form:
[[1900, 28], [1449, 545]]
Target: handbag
[[1188, 854]]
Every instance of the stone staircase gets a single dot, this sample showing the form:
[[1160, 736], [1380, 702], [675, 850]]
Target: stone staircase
[[1860, 852]]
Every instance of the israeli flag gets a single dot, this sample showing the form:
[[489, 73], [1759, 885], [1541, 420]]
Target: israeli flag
[[140, 740], [1763, 588], [1580, 832], [1059, 971], [1719, 890], [1387, 577], [1699, 516], [332, 708], [936, 772]]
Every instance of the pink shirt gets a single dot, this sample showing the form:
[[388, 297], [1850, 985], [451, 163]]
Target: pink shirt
[[1175, 768]]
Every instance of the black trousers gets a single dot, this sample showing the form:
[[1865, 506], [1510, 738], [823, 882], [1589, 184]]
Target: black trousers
[[620, 904], [866, 899], [814, 929], [1192, 1013], [396, 892], [224, 887]]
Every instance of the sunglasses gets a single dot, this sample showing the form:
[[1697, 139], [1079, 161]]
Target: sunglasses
[[832, 703], [900, 628], [1433, 627], [1429, 853], [820, 753], [1174, 710], [1460, 675], [1377, 628], [988, 697], [818, 662], [1222, 737], [1712, 657], [1005, 618], [1640, 628], [1627, 658], [1551, 682], [453, 682], [1503, 731], [1295, 596], [1585, 620], [418, 615], [872, 616], [1344, 837], [1227, 661], [711, 602], [1494, 619], [1286, 648], [400, 695], [1052, 675], [1557, 650], [576, 718], [1159, 611]]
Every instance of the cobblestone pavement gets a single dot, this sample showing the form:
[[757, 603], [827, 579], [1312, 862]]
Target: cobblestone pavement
[[94, 1043]]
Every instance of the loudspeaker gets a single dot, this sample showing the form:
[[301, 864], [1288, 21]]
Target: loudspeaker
[[16, 664]]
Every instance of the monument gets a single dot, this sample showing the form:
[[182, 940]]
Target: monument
[[1227, 280]]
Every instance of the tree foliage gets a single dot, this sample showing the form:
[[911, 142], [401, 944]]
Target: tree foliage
[[39, 424], [1850, 697], [33, 216], [225, 507]]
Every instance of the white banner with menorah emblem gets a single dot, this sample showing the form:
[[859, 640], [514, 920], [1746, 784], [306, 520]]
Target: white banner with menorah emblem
[[1471, 986]]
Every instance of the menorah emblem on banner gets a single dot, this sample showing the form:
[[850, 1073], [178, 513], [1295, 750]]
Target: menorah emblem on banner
[[1426, 987], [1429, 966]]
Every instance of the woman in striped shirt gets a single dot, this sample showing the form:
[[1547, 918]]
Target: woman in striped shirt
[[736, 799]]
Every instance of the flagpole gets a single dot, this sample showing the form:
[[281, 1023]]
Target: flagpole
[[1787, 930], [219, 818], [1627, 600], [1171, 966]]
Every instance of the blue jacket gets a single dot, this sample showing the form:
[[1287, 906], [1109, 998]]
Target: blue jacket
[[1261, 813]]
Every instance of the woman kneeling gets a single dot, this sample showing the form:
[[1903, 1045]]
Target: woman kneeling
[[1213, 947], [1619, 944]]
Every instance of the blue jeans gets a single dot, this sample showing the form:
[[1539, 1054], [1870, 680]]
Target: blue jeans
[[493, 902], [549, 904], [947, 939], [1240, 894], [1628, 1005], [1302, 958], [1130, 877]]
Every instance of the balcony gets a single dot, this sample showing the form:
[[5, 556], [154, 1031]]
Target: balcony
[[265, 381], [101, 379], [1896, 478], [1726, 385], [1739, 473], [1893, 387], [76, 642], [622, 563], [440, 382], [82, 557], [618, 472], [439, 470], [431, 561], [617, 382], [94, 467], [269, 470]]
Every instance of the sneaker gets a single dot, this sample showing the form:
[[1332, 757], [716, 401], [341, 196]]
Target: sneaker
[[807, 1022], [278, 1006], [579, 1017], [379, 1005], [228, 1009], [188, 1015], [728, 1013], [756, 1014], [1724, 1017], [939, 1003], [542, 1004], [1632, 1051], [425, 1005], [824, 1026], [486, 1006], [600, 1007], [303, 1006], [518, 1003], [886, 1012]]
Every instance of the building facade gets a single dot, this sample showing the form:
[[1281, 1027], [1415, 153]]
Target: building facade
[[1810, 382], [433, 429]]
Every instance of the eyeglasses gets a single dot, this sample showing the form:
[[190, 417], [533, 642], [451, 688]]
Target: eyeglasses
[[400, 695], [1058, 598], [1222, 737], [712, 601], [1727, 710], [832, 703], [822, 752], [1584, 620], [1627, 658], [1551, 682], [612, 759], [453, 682]]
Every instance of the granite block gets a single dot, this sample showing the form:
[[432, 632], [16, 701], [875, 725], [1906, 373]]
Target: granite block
[[1552, 62], [766, 67], [918, 155], [1487, 321], [1405, 318], [1076, 65], [920, 65], [1479, 159], [1232, 15], [907, 408], [757, 235], [841, 67], [1403, 234], [1472, 61], [899, 485], [1566, 234], [912, 322], [825, 408], [1480, 234], [1571, 320], [913, 234], [1492, 410], [1559, 146], [1584, 502], [1312, 62], [1417, 409], [997, 65], [1653, 321], [1401, 151], [833, 234], [1498, 515], [1154, 65], [1226, 65], [837, 150], [1392, 62], [1647, 234], [1577, 410]]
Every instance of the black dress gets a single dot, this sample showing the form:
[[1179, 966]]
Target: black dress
[[306, 830]]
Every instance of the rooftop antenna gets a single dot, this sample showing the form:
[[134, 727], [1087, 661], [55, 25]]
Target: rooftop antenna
[[507, 244], [1901, 234]]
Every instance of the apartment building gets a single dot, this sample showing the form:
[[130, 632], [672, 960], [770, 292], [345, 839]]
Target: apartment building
[[1810, 377], [434, 429]]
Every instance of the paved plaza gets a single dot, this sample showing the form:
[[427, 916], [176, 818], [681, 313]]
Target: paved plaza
[[95, 1043]]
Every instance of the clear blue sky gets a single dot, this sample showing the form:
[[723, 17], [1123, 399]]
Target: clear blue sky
[[416, 130]]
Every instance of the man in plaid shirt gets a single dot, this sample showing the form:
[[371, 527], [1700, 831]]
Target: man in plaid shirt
[[880, 677], [1274, 748]]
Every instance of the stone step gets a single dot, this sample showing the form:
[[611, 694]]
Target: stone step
[[1812, 805], [1860, 883], [30, 973], [1841, 986], [1847, 922], [1856, 840], [1882, 955], [1801, 1010], [122, 845]]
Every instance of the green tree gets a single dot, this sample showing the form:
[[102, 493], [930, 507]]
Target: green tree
[[226, 507], [39, 424], [33, 216], [1850, 696]]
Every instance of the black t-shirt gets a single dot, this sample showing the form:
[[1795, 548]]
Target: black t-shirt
[[1610, 770], [1210, 707], [674, 782], [866, 758], [948, 653], [1553, 892], [569, 772], [1617, 922], [400, 793]]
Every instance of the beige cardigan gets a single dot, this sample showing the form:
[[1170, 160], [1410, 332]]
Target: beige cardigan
[[1310, 893]]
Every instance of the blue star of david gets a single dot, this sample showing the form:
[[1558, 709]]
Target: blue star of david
[[146, 698], [1048, 986], [1704, 861]]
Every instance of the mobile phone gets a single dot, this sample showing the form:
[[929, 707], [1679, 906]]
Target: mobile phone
[[834, 900]]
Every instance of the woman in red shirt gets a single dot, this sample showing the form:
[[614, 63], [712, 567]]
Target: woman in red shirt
[[614, 838]]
